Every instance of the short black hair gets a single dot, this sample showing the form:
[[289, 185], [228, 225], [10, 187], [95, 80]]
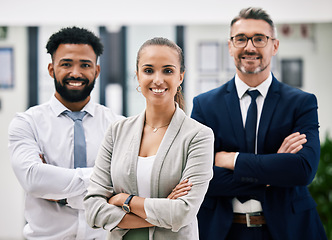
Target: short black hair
[[74, 35], [254, 13]]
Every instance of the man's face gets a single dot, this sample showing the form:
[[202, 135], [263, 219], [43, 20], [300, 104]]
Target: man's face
[[74, 71], [249, 59]]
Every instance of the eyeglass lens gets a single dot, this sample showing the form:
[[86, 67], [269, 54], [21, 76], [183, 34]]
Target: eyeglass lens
[[257, 40]]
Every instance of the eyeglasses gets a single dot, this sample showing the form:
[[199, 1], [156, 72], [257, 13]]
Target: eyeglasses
[[258, 40]]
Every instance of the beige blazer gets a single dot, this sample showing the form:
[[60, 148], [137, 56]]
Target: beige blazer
[[186, 151]]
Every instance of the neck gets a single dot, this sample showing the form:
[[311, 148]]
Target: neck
[[253, 79], [157, 116], [73, 106]]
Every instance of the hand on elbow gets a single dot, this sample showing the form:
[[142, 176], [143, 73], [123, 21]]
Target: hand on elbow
[[180, 190]]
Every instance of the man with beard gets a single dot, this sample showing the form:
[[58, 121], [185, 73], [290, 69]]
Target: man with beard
[[42, 145], [266, 145]]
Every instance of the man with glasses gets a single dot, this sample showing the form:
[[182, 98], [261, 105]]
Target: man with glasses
[[266, 145]]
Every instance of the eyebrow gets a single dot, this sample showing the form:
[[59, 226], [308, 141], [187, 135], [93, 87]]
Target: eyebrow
[[256, 34], [165, 66], [71, 60]]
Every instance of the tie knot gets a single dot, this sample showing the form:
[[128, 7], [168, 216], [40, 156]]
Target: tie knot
[[253, 94], [75, 115]]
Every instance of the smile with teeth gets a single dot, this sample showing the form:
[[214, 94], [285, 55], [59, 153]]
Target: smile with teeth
[[250, 58], [155, 90], [75, 84]]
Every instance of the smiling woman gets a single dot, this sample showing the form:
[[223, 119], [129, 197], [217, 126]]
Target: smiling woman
[[163, 203], [159, 76]]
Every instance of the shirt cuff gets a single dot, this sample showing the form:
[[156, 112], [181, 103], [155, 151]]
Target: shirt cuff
[[85, 174], [235, 158], [76, 202]]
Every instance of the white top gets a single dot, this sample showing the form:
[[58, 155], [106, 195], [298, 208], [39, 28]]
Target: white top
[[144, 170], [45, 130], [245, 99]]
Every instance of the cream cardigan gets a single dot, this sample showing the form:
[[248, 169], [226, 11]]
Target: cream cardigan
[[186, 151]]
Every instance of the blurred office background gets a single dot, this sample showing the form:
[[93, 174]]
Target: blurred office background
[[201, 28]]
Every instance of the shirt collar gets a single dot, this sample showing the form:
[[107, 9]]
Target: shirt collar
[[263, 88], [58, 108]]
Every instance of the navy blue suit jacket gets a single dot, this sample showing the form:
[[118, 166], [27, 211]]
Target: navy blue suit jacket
[[289, 209]]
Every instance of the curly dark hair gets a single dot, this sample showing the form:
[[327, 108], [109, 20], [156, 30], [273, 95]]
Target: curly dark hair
[[74, 35]]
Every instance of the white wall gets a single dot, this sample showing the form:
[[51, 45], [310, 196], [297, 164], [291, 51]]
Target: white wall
[[128, 12], [316, 54], [194, 35], [12, 101]]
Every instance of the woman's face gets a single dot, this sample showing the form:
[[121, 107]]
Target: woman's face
[[159, 74]]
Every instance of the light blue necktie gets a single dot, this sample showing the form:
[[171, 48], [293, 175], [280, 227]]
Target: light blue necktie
[[79, 139]]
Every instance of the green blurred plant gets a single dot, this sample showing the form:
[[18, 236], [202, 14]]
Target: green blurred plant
[[321, 187]]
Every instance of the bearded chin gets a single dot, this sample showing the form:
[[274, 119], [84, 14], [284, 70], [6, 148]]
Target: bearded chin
[[73, 95], [256, 70]]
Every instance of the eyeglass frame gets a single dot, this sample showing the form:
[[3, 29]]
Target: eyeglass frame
[[250, 38]]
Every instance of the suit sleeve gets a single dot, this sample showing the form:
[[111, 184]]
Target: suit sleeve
[[286, 169], [253, 172], [223, 182]]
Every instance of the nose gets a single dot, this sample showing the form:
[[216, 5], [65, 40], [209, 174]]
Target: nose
[[250, 46], [158, 79], [75, 72]]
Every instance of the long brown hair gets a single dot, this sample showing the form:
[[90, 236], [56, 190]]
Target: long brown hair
[[160, 41]]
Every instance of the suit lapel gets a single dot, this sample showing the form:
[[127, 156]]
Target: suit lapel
[[171, 133], [269, 106], [234, 111]]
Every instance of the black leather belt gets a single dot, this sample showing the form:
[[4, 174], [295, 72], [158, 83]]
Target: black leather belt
[[255, 219]]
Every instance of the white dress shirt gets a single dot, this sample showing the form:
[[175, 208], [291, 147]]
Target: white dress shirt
[[245, 100], [44, 130]]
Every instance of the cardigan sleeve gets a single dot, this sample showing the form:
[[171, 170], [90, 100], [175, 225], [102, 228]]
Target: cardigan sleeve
[[99, 213], [175, 214]]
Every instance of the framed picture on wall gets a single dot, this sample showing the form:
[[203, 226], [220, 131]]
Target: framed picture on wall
[[209, 57], [6, 68], [291, 72]]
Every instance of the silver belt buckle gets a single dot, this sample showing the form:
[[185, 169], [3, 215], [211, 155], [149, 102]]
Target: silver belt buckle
[[248, 215]]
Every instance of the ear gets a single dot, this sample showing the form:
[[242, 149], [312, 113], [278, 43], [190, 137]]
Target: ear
[[275, 46], [97, 70], [51, 69], [181, 77], [136, 74], [230, 48]]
